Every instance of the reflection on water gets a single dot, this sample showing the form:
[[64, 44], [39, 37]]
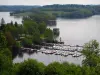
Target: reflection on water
[[48, 58]]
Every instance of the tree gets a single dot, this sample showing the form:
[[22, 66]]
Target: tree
[[13, 30], [30, 26], [26, 42], [2, 21], [42, 27], [97, 69], [54, 69], [5, 61], [10, 39], [5, 57], [16, 24], [30, 67], [36, 38], [91, 52], [71, 69], [2, 26], [48, 35], [3, 42], [86, 70], [11, 23]]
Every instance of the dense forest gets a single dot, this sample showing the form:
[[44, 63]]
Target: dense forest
[[33, 30], [67, 11], [72, 11]]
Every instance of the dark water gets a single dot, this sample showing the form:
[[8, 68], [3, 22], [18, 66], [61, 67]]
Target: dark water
[[72, 31]]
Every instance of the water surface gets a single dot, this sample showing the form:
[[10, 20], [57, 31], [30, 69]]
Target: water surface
[[79, 31], [47, 59], [6, 16]]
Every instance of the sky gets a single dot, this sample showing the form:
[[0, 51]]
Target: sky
[[47, 2]]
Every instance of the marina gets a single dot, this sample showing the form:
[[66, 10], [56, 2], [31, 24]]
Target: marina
[[57, 49]]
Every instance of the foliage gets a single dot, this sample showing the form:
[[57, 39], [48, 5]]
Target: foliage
[[36, 38], [9, 38], [42, 27], [30, 26], [92, 53], [26, 42], [71, 10], [16, 24], [30, 67], [54, 69], [2, 21], [3, 42], [5, 57], [48, 35]]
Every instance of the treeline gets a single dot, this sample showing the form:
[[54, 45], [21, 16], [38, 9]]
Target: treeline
[[90, 65], [39, 16], [72, 11], [17, 8], [66, 11], [32, 67]]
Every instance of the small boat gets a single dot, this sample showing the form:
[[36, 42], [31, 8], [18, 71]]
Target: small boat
[[42, 49], [62, 53], [49, 52], [65, 54], [38, 50], [77, 55], [57, 53], [71, 53]]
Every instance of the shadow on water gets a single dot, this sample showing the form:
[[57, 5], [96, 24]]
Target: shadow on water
[[19, 52], [15, 51]]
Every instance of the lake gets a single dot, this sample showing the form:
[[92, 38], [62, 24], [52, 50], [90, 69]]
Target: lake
[[6, 16], [72, 32], [79, 31]]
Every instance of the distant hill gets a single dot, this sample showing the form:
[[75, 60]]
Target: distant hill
[[16, 8], [72, 10], [57, 10]]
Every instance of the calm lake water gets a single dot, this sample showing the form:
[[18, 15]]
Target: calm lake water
[[6, 16], [79, 31], [72, 31]]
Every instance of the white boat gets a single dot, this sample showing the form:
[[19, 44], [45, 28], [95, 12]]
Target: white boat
[[71, 53], [49, 52], [77, 55], [42, 49], [57, 53], [65, 54]]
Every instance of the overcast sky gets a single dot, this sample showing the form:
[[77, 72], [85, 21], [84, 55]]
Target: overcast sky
[[45, 2]]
